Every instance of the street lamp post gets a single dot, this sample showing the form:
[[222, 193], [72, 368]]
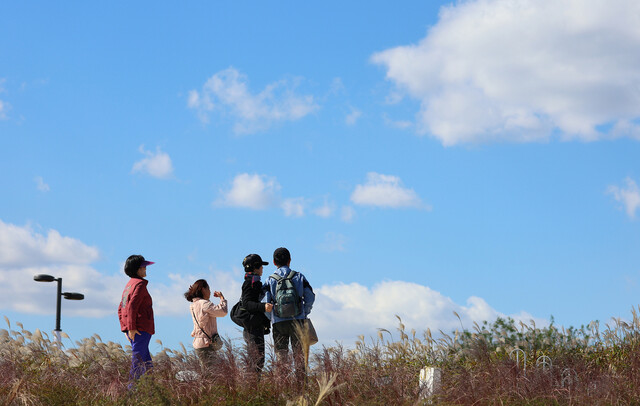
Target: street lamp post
[[60, 294]]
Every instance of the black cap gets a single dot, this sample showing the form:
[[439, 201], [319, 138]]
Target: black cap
[[251, 260], [281, 256]]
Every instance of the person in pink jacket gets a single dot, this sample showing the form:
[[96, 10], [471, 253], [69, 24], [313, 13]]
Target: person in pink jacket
[[136, 315], [204, 314]]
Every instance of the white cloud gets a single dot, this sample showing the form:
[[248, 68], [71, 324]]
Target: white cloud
[[353, 117], [228, 91], [156, 164], [345, 311], [629, 196], [257, 192], [43, 187], [385, 191], [24, 247], [324, 211], [294, 207], [347, 213], [520, 69]]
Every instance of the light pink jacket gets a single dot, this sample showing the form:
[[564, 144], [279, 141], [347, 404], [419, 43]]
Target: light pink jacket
[[206, 312]]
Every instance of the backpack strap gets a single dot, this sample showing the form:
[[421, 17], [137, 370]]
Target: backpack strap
[[278, 278]]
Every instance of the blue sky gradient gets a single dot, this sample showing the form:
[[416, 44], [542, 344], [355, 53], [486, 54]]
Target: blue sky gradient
[[417, 159]]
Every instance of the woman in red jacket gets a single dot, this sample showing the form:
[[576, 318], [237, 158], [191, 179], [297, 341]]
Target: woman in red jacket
[[136, 315]]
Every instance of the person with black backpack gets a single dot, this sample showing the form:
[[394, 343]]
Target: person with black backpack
[[254, 321], [292, 298]]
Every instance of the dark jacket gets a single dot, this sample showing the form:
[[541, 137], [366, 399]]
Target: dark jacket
[[135, 310], [252, 294]]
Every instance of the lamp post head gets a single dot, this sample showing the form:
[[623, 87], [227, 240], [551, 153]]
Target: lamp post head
[[60, 294], [44, 278], [73, 296]]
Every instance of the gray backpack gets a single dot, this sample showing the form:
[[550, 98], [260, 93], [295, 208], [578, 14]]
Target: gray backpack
[[287, 301]]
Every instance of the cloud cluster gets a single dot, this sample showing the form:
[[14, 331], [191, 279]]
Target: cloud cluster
[[522, 70], [25, 253], [156, 164], [261, 192], [228, 92], [341, 311], [345, 311], [629, 196], [22, 246]]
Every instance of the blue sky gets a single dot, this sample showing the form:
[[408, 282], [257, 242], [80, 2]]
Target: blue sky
[[417, 159]]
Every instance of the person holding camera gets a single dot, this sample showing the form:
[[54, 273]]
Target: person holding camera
[[206, 340]]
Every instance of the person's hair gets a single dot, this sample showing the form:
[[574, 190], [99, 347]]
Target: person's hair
[[132, 265], [252, 267], [195, 290], [281, 257]]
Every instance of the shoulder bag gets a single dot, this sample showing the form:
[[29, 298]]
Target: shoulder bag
[[215, 341]]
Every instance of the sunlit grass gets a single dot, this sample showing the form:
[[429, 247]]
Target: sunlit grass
[[592, 364]]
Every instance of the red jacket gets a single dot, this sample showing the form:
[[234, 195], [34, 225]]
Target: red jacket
[[135, 311]]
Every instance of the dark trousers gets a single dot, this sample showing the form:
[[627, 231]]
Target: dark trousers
[[255, 348], [140, 356], [283, 333], [207, 357]]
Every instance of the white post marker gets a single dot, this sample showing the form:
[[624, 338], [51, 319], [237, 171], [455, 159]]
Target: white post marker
[[430, 381], [57, 334]]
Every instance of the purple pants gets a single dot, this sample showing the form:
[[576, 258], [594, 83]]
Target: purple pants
[[140, 356]]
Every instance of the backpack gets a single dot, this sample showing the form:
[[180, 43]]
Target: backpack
[[287, 301]]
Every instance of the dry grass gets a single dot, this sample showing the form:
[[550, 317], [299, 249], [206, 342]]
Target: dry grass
[[588, 365]]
